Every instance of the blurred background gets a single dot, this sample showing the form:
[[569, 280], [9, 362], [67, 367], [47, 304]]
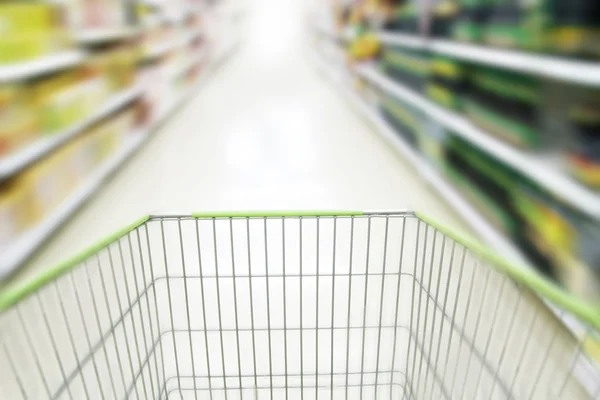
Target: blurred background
[[496, 104], [483, 113]]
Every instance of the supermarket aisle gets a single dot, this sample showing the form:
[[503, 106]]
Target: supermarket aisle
[[266, 131]]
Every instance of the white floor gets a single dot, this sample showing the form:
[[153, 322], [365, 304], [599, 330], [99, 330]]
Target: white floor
[[267, 131]]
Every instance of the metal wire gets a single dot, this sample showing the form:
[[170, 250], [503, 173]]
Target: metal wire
[[354, 307]]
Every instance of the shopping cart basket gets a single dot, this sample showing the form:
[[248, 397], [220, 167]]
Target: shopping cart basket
[[289, 305]]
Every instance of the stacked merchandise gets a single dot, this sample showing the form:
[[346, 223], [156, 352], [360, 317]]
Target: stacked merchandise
[[48, 105], [520, 109], [29, 197], [505, 104], [555, 26], [31, 29], [583, 159], [564, 27], [447, 82], [101, 14], [530, 114], [407, 121], [64, 128], [409, 66], [167, 73]]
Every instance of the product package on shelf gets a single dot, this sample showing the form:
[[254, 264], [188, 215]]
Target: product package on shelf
[[443, 16], [14, 213], [485, 181], [66, 98], [405, 18], [158, 39], [505, 104], [19, 123], [406, 120], [447, 82], [117, 63], [409, 66], [29, 197], [470, 24], [567, 238], [95, 14], [433, 142], [516, 24], [560, 241], [583, 159], [574, 28], [32, 29]]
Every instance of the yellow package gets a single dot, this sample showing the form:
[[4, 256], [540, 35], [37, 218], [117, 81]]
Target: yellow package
[[19, 17], [60, 101], [31, 29], [44, 182], [19, 122], [13, 213]]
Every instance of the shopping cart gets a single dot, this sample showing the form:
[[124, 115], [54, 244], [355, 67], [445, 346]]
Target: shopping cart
[[331, 305]]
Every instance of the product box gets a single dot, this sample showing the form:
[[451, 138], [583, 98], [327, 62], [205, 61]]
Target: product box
[[568, 239], [13, 212], [411, 67], [19, 121], [447, 82], [573, 28], [487, 182], [471, 20], [117, 64], [583, 159], [432, 142], [406, 18], [444, 15], [31, 29], [505, 104], [517, 24], [44, 180]]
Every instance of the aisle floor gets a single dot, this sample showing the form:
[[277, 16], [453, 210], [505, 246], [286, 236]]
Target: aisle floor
[[266, 131]]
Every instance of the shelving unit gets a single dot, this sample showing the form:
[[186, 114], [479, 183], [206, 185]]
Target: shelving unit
[[169, 45], [543, 168], [586, 373], [13, 163], [579, 72], [479, 224], [102, 35], [47, 64], [26, 244]]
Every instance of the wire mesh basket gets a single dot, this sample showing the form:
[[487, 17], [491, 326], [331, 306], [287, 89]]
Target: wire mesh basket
[[331, 305]]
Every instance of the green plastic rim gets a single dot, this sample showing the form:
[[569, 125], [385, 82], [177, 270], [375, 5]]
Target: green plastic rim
[[275, 214], [15, 294], [521, 274]]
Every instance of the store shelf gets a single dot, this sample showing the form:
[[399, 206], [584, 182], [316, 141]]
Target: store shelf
[[162, 48], [102, 35], [410, 41], [13, 163], [486, 231], [574, 71], [43, 65], [168, 45], [27, 243], [585, 372], [543, 168]]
